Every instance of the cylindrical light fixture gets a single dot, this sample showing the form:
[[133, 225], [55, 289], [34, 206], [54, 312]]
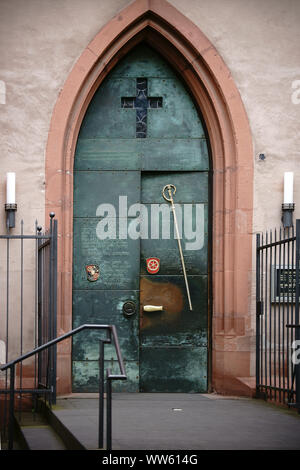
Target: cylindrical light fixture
[[10, 205], [288, 205]]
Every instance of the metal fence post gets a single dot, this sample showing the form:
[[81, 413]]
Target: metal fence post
[[297, 293], [101, 394], [11, 408], [108, 413], [50, 300], [258, 313], [54, 304]]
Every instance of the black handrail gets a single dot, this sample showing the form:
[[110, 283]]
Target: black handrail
[[112, 334]]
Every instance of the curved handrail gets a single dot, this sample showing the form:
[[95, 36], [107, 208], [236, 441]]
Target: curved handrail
[[122, 376], [73, 332]]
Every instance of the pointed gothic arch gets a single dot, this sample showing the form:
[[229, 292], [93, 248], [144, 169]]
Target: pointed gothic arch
[[207, 77]]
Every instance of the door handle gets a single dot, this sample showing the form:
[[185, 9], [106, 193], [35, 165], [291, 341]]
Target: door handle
[[152, 308]]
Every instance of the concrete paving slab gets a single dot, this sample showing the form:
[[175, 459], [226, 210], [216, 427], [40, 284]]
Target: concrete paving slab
[[184, 422]]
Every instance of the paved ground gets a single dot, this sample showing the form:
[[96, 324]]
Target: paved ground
[[184, 421]]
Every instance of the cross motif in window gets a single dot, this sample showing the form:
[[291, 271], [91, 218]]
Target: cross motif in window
[[141, 103]]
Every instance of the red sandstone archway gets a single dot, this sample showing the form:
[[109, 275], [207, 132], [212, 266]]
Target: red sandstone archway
[[210, 82]]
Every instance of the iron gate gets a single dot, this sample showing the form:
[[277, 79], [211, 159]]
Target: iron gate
[[28, 297], [277, 315]]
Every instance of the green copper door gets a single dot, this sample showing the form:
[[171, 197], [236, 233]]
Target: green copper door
[[141, 133]]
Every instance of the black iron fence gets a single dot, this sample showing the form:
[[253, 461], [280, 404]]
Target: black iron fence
[[28, 313], [277, 315], [47, 305]]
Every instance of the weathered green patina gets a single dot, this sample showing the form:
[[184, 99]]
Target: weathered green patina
[[164, 350]]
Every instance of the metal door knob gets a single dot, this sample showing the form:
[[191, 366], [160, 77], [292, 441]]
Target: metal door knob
[[152, 308], [129, 308]]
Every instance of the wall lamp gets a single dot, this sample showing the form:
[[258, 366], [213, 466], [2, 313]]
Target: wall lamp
[[10, 205], [288, 205]]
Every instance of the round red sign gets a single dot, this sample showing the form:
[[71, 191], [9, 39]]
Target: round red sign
[[153, 265]]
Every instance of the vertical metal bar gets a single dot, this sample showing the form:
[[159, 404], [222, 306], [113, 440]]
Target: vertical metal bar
[[283, 325], [288, 303], [36, 249], [7, 297], [50, 303], [108, 414], [262, 311], [7, 323], [258, 313], [11, 408], [101, 395], [39, 303], [45, 314], [293, 310], [51, 319], [279, 317], [274, 318], [54, 306], [297, 293], [36, 319], [292, 318], [266, 313], [270, 320], [21, 313]]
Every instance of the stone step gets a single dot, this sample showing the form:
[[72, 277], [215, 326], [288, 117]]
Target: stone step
[[35, 433], [42, 438], [62, 429]]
